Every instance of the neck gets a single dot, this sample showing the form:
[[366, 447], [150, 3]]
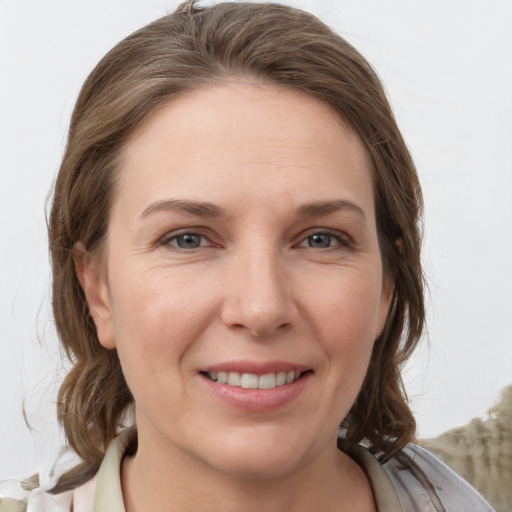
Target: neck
[[156, 479]]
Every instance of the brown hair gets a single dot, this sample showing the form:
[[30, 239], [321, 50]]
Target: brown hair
[[191, 48]]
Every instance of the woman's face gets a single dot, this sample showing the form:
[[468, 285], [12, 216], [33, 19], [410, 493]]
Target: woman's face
[[242, 252]]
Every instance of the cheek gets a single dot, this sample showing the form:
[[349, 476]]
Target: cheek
[[342, 310], [158, 317], [345, 316], [347, 309]]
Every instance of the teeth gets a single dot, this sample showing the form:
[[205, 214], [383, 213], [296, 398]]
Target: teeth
[[234, 379], [252, 381], [249, 381], [267, 381]]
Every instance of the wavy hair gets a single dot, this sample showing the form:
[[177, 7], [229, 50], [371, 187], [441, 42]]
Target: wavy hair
[[197, 47]]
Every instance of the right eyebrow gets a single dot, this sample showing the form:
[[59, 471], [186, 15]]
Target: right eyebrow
[[324, 208], [198, 208]]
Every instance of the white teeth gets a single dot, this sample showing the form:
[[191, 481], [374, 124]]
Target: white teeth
[[249, 381], [281, 379], [253, 381], [234, 379], [267, 381]]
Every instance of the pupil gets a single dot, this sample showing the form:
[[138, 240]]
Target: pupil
[[188, 241], [320, 241]]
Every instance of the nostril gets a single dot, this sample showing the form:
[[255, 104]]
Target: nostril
[[257, 314], [266, 329]]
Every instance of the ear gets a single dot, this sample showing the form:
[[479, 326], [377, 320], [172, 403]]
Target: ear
[[96, 293]]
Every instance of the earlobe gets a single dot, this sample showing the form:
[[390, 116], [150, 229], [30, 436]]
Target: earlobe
[[96, 293]]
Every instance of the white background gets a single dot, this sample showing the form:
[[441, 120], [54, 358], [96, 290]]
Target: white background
[[447, 66]]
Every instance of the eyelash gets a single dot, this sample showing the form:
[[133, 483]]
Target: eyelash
[[341, 240]]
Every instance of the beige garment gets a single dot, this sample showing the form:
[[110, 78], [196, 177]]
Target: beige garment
[[481, 452]]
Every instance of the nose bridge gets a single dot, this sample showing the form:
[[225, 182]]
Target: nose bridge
[[259, 297]]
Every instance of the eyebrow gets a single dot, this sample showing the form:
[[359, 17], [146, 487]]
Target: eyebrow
[[200, 209], [210, 210], [324, 208]]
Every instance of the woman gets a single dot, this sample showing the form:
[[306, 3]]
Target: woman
[[236, 254]]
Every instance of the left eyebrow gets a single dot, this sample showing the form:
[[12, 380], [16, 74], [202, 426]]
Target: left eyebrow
[[198, 208], [323, 208]]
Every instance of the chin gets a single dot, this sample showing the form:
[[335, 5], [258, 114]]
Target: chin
[[252, 468], [259, 457]]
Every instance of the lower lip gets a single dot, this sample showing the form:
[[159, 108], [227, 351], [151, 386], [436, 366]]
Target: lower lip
[[257, 400]]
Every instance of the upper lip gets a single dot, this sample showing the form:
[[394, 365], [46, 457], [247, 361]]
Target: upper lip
[[255, 367]]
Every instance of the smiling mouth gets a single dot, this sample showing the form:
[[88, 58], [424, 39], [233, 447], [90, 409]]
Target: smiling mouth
[[253, 381]]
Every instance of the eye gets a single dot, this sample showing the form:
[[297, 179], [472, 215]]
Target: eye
[[323, 240], [186, 241]]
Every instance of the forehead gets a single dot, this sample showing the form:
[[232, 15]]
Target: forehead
[[250, 139]]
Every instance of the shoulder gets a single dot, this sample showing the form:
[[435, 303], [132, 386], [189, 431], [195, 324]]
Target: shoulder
[[418, 477]]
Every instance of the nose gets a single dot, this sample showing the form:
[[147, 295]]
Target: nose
[[258, 294]]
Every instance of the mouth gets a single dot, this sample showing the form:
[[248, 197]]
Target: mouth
[[256, 387], [255, 381]]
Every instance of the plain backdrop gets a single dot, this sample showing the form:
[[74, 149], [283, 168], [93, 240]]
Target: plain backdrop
[[447, 67]]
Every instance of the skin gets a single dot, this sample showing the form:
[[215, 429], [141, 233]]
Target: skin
[[258, 287]]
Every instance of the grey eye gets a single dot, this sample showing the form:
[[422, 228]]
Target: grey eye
[[319, 240], [188, 241]]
